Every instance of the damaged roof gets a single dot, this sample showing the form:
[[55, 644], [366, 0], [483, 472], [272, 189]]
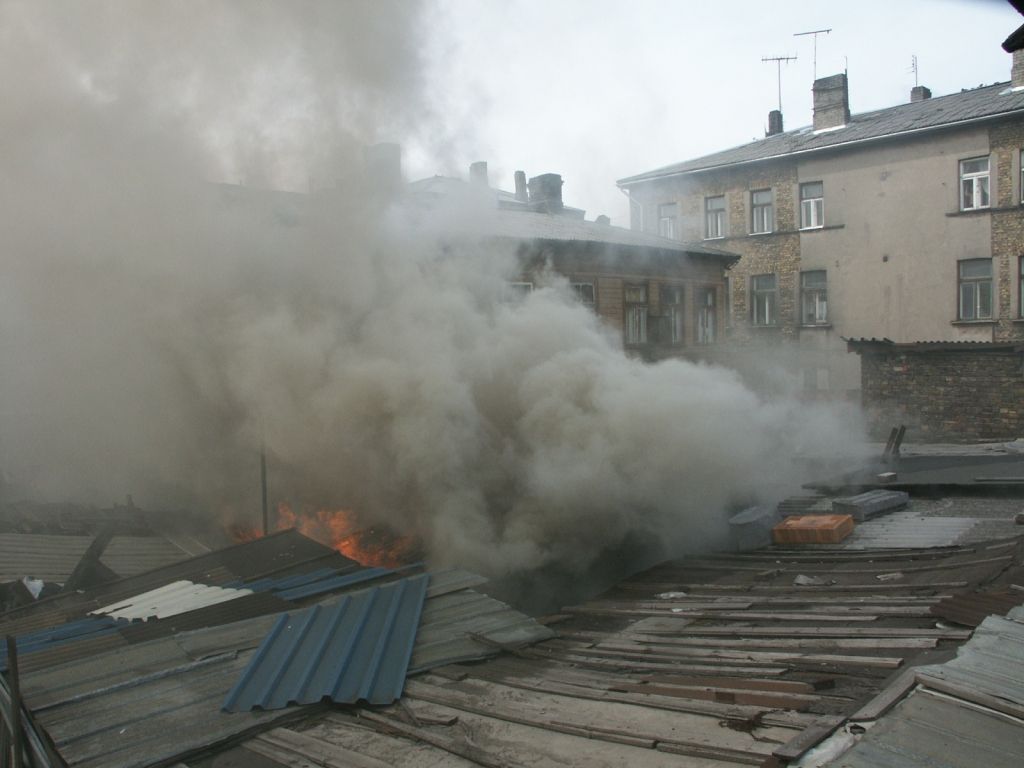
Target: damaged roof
[[938, 113]]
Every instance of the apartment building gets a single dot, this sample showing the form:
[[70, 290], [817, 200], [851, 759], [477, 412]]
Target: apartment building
[[904, 223]]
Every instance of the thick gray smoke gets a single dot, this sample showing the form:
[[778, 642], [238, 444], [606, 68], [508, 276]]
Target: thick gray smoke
[[155, 329]]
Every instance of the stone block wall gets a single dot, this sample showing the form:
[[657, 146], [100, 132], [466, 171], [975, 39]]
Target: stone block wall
[[945, 396]]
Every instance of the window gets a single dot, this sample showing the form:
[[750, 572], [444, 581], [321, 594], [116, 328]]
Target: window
[[516, 292], [714, 217], [584, 292], [974, 183], [635, 300], [975, 289], [763, 300], [667, 220], [813, 298], [812, 205], [672, 314], [761, 211], [706, 316], [1022, 175]]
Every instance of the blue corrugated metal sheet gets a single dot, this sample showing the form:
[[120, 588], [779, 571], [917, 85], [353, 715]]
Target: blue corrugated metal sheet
[[93, 626], [357, 648]]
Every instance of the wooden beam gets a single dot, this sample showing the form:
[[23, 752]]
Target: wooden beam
[[811, 737], [888, 696], [14, 684]]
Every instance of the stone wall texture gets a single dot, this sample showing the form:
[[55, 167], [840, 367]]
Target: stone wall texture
[[945, 396]]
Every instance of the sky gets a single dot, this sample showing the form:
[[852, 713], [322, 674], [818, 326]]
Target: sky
[[597, 90]]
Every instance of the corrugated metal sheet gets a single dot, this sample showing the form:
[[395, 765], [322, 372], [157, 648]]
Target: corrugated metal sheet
[[992, 662], [170, 600], [54, 557], [358, 648], [907, 529], [50, 637]]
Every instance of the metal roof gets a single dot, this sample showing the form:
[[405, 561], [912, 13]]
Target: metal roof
[[957, 109], [54, 557], [358, 648], [170, 600], [873, 345]]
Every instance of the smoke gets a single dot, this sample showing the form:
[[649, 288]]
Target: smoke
[[157, 330]]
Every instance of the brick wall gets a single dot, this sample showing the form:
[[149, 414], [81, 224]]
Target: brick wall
[[1007, 140], [945, 396]]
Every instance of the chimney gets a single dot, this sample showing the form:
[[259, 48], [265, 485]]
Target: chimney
[[478, 173], [1017, 72], [521, 194], [774, 122], [919, 93], [546, 193], [384, 166], [831, 102]]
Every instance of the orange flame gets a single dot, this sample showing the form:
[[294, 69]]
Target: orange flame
[[340, 529]]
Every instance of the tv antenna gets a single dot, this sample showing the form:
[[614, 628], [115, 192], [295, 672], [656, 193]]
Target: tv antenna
[[913, 68], [778, 66], [814, 32]]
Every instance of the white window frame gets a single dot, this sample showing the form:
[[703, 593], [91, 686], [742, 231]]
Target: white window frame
[[764, 301], [972, 290], [707, 315], [667, 223], [814, 298], [579, 291], [762, 217], [635, 314], [975, 189], [812, 209], [714, 219], [1020, 286]]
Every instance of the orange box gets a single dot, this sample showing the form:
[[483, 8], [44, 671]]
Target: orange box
[[813, 529]]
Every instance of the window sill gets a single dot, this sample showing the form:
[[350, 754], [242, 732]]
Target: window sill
[[774, 327], [816, 327], [1018, 320], [982, 211], [974, 322], [717, 237], [760, 234], [812, 229]]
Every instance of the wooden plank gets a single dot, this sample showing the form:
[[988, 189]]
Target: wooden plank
[[323, 753], [740, 656], [14, 687], [837, 643], [762, 631], [717, 615], [723, 695], [888, 696], [461, 747], [630, 664], [751, 684], [971, 695], [811, 736], [675, 748], [790, 589]]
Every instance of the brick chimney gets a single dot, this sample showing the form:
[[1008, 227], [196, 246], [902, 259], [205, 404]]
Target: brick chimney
[[774, 122], [546, 193], [478, 173], [1017, 72], [522, 195], [831, 102], [919, 93]]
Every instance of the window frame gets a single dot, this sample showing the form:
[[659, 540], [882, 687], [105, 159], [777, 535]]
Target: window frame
[[976, 284], [762, 213], [771, 301], [637, 309], [818, 293], [980, 182], [1020, 286], [705, 332], [719, 214], [812, 216], [575, 288], [670, 221]]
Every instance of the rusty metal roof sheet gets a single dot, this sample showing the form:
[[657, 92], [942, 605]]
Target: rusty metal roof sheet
[[358, 648], [54, 557]]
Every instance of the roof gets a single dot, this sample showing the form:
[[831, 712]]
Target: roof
[[863, 345], [940, 112], [53, 558], [521, 225], [707, 661]]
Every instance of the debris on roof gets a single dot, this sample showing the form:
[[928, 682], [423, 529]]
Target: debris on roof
[[170, 600]]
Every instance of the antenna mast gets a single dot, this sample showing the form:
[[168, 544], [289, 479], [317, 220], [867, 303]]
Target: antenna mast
[[913, 68], [814, 32], [778, 65]]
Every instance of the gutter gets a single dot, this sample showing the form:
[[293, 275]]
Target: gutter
[[631, 180]]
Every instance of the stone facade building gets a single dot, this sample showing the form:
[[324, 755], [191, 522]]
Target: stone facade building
[[905, 223], [665, 297]]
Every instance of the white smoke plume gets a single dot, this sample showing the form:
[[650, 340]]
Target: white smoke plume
[[156, 330]]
